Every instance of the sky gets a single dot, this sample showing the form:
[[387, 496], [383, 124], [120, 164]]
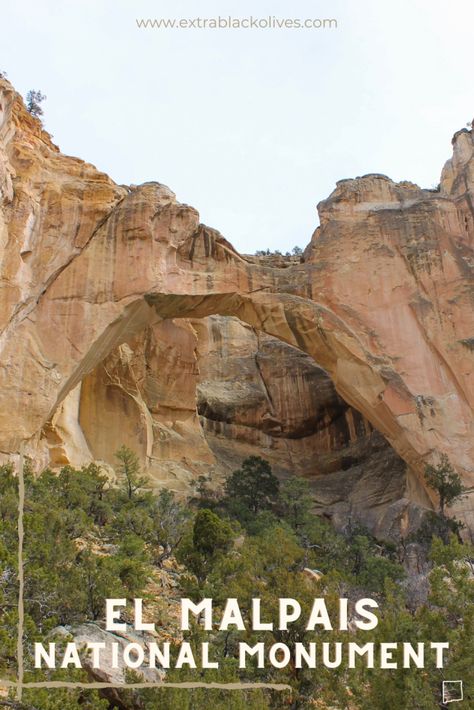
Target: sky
[[253, 127]]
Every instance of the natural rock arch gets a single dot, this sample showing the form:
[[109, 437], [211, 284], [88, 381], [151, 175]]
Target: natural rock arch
[[382, 301], [79, 320]]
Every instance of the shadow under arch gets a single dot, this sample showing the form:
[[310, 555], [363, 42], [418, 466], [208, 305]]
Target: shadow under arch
[[304, 324]]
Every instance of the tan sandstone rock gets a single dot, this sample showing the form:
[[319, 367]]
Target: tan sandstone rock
[[382, 302]]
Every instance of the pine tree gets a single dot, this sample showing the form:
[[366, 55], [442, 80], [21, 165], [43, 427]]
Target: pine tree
[[446, 482], [253, 485], [34, 100], [129, 471]]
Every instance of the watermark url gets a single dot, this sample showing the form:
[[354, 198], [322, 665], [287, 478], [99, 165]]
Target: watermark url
[[237, 23]]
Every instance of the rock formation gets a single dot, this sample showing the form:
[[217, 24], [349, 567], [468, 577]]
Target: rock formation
[[102, 292], [197, 397]]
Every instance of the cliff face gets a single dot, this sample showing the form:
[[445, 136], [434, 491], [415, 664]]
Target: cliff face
[[109, 305], [195, 397], [262, 392]]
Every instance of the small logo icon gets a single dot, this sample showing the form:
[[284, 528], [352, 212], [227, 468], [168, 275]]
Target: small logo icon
[[452, 691]]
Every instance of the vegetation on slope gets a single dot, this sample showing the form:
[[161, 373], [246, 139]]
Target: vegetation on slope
[[86, 541]]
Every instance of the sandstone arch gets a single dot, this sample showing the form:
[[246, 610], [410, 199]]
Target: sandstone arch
[[382, 301]]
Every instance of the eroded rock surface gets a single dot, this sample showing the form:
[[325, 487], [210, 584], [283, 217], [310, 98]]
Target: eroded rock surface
[[197, 397], [382, 301]]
